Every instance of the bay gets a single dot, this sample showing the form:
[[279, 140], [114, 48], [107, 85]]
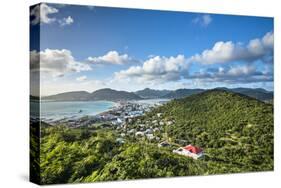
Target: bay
[[55, 110]]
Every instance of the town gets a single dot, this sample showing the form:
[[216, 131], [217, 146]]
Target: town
[[125, 119]]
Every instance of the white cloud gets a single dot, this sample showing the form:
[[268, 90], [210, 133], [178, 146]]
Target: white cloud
[[41, 14], [203, 20], [223, 52], [157, 69], [238, 71], [81, 78], [56, 62], [268, 40], [112, 57], [66, 21], [233, 75]]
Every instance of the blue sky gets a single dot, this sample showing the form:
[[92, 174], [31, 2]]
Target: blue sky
[[88, 48]]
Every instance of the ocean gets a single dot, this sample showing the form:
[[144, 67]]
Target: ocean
[[54, 110]]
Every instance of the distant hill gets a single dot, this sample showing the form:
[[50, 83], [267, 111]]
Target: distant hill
[[152, 93], [257, 93], [32, 97], [113, 95], [70, 96], [180, 93], [102, 94]]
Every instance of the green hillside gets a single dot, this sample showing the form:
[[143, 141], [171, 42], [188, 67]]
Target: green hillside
[[235, 132], [231, 128]]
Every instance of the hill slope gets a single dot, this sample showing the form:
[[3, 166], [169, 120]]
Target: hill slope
[[257, 93], [152, 93], [102, 94], [69, 96], [113, 95], [180, 93], [232, 128]]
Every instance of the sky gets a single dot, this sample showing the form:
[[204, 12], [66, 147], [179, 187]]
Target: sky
[[88, 48]]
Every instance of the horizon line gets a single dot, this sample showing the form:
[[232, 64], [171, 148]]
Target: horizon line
[[155, 89]]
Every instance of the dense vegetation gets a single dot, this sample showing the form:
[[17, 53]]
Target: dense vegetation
[[235, 131], [77, 155]]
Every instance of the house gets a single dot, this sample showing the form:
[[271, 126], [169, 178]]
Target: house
[[190, 151], [150, 136], [131, 131], [120, 140], [139, 133], [169, 123], [148, 131], [116, 122], [142, 125], [156, 129], [163, 144], [161, 123]]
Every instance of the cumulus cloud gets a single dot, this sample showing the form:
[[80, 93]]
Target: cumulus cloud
[[66, 21], [81, 78], [233, 75], [156, 69], [56, 62], [203, 20], [223, 52], [112, 57], [41, 14]]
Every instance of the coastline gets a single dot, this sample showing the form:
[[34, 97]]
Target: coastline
[[117, 114]]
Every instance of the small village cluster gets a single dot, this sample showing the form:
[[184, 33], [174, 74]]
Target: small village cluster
[[153, 130], [124, 119]]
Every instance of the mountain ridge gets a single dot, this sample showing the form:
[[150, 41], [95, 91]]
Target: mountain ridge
[[152, 93], [101, 94], [147, 93], [223, 122]]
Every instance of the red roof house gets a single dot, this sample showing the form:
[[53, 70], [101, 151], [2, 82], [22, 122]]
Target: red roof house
[[193, 149], [190, 151]]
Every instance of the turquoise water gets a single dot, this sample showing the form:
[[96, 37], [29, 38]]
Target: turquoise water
[[55, 110], [73, 109]]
